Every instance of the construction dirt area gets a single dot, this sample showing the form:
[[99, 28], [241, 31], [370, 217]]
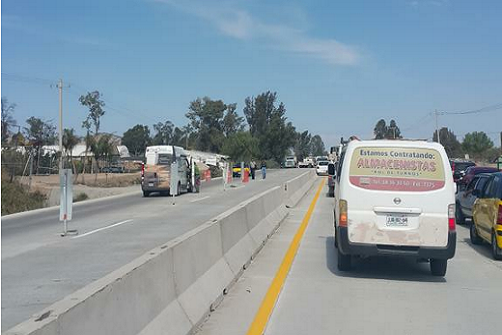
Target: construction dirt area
[[88, 186]]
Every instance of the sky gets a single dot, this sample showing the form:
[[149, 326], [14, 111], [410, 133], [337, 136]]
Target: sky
[[338, 66]]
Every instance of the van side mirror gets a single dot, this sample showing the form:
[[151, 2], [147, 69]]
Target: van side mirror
[[331, 169]]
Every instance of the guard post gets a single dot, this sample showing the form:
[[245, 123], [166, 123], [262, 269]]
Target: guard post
[[66, 200], [173, 186]]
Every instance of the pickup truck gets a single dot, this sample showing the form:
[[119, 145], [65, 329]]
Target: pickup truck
[[306, 163]]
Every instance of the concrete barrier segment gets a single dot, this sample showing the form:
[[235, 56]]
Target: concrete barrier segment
[[296, 188], [172, 288], [123, 302]]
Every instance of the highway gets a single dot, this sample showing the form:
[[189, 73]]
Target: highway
[[378, 296], [39, 267]]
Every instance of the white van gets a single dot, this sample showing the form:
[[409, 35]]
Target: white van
[[156, 172], [395, 198]]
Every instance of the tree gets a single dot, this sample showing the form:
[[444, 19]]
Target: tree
[[136, 139], [39, 132], [70, 140], [393, 131], [102, 148], [241, 146], [92, 100], [268, 123], [181, 137], [449, 141], [318, 148], [86, 124], [476, 144], [380, 130], [390, 132], [303, 146], [232, 122], [164, 133], [18, 139], [207, 118], [7, 119]]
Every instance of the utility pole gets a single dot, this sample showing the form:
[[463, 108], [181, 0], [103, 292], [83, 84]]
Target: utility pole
[[60, 88], [437, 126]]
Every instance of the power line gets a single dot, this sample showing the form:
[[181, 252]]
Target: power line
[[43, 81], [477, 111], [26, 79], [419, 122], [122, 111]]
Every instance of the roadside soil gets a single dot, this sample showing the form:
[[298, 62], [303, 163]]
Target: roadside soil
[[93, 185]]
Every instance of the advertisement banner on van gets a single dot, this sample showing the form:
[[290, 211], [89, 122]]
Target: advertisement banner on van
[[397, 169]]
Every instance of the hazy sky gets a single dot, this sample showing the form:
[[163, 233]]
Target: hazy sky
[[339, 66]]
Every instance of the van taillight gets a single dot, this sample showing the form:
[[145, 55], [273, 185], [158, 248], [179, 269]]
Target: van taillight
[[451, 217], [342, 222], [499, 217], [142, 170]]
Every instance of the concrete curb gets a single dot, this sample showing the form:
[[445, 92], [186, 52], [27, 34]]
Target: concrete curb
[[172, 288]]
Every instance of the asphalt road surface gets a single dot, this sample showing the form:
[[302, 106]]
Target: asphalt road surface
[[379, 296], [39, 267]]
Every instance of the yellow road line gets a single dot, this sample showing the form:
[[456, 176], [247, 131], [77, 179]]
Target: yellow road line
[[267, 305]]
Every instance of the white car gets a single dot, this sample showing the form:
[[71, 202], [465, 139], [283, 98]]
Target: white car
[[322, 168], [395, 198]]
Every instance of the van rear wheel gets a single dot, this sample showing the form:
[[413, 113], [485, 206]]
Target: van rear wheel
[[146, 194], [438, 267], [344, 261]]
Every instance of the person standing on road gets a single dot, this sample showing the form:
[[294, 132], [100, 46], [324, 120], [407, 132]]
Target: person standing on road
[[252, 166], [263, 169]]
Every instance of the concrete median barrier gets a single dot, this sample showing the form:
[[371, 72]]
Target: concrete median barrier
[[172, 288], [296, 188]]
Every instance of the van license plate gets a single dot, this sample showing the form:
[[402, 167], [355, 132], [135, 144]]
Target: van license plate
[[396, 221], [150, 184]]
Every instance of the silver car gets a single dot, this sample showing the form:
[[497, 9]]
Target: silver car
[[465, 198]]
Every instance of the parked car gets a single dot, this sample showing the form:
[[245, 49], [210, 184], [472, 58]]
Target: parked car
[[112, 169], [236, 170], [466, 197], [322, 168], [458, 168], [395, 198], [487, 215], [472, 171]]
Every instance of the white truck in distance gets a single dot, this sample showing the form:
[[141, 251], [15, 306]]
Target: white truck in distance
[[307, 162]]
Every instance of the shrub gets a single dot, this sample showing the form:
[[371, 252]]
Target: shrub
[[80, 197], [16, 198]]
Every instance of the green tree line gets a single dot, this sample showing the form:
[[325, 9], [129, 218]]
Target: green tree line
[[477, 145], [263, 133]]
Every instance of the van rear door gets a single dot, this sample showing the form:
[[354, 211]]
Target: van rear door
[[398, 196]]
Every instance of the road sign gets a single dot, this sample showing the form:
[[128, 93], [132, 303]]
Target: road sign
[[173, 186], [66, 195]]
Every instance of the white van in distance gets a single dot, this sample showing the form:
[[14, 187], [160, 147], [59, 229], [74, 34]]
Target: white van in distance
[[395, 198]]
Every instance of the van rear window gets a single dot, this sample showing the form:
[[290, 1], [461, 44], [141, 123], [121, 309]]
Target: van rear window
[[397, 169]]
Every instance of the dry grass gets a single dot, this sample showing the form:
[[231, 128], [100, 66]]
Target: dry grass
[[16, 198]]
